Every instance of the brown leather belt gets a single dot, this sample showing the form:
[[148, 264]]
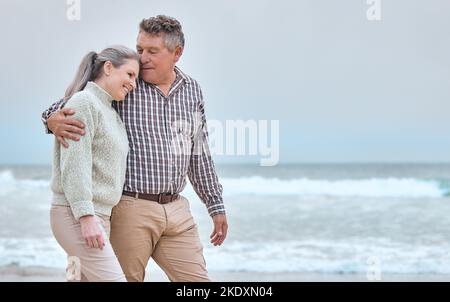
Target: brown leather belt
[[162, 198]]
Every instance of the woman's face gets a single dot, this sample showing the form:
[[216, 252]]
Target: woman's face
[[122, 80]]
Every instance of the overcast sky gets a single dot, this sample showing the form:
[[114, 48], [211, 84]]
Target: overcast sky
[[343, 88]]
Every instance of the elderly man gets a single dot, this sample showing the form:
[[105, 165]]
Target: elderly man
[[166, 126]]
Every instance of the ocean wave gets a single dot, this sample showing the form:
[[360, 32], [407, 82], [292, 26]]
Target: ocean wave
[[308, 256], [445, 187], [25, 252], [330, 257], [257, 185], [374, 187], [9, 184]]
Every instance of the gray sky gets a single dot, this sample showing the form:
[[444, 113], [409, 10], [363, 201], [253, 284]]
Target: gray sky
[[343, 88]]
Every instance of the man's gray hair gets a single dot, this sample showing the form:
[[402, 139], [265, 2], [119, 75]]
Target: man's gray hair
[[167, 27]]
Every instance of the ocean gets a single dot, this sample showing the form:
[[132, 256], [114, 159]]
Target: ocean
[[312, 218]]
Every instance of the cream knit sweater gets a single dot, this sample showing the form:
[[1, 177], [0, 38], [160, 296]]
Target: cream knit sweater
[[90, 174]]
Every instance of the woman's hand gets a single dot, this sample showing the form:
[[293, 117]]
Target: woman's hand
[[91, 232]]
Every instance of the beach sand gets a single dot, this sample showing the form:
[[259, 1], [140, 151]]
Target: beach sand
[[41, 274]]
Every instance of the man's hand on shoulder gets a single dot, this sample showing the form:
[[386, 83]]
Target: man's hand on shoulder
[[64, 127]]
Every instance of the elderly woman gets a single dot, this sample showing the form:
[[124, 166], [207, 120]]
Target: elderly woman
[[88, 176]]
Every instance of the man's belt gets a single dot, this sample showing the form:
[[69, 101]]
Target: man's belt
[[162, 198]]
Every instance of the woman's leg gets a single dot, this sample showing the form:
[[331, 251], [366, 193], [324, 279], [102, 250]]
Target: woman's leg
[[93, 264]]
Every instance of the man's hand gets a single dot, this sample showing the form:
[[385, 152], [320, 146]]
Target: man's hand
[[64, 127], [220, 229]]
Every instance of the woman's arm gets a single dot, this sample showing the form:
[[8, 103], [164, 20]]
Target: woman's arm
[[76, 162], [76, 175]]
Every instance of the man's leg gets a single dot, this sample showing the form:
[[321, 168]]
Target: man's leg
[[179, 251], [134, 234]]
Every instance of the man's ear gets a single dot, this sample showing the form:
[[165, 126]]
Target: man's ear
[[178, 53], [107, 68]]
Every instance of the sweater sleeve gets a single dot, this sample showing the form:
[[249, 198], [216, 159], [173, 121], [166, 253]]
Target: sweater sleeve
[[76, 162]]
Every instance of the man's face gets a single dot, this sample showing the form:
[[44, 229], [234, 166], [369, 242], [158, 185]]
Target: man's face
[[157, 61]]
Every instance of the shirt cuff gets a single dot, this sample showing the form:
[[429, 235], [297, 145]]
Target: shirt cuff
[[47, 131], [215, 209]]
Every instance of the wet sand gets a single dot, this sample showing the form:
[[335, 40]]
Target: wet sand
[[41, 274]]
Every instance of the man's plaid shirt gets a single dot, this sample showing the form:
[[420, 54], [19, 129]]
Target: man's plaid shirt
[[168, 140]]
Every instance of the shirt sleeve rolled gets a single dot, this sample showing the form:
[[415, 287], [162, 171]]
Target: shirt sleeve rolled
[[58, 105]]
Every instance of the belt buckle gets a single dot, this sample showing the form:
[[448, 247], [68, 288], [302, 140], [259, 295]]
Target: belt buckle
[[170, 198]]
